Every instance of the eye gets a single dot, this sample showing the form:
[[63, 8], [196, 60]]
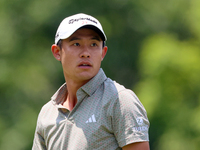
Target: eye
[[76, 44], [93, 44]]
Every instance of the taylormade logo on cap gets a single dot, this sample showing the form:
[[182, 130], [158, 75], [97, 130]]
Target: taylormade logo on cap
[[74, 20], [70, 24]]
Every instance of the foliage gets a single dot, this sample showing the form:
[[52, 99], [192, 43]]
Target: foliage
[[169, 88], [153, 48]]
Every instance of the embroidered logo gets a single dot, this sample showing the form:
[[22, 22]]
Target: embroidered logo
[[82, 19], [91, 119], [142, 128], [139, 120]]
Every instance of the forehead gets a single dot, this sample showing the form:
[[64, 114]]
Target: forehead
[[85, 32]]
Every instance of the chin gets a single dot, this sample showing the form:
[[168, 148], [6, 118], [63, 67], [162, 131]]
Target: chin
[[86, 76]]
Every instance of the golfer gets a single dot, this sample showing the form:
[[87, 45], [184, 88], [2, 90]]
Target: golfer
[[89, 111]]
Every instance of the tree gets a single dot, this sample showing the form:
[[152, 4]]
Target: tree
[[153, 47], [169, 88]]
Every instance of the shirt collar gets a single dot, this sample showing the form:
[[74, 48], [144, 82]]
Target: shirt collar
[[60, 95], [89, 88]]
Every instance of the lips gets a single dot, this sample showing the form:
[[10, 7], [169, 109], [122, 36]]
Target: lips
[[85, 64]]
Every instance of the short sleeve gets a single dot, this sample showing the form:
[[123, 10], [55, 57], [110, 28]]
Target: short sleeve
[[38, 141], [129, 119]]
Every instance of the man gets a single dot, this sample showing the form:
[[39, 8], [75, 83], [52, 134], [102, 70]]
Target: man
[[90, 111]]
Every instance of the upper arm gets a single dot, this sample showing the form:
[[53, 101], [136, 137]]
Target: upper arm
[[129, 119], [137, 146], [38, 142]]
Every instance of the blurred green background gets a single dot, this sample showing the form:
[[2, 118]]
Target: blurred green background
[[153, 48]]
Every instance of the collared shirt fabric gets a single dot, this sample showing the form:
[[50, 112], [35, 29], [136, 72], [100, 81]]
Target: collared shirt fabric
[[107, 116]]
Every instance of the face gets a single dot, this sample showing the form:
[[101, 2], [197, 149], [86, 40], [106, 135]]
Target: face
[[81, 55]]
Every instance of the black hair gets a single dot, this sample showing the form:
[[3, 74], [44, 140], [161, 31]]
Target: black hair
[[60, 44]]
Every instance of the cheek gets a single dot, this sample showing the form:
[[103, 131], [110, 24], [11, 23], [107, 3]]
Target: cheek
[[66, 58], [99, 60], [101, 56]]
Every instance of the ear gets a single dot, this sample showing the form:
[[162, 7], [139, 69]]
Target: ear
[[104, 51], [56, 51]]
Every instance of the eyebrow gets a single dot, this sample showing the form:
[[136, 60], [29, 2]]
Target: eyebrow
[[96, 38], [73, 39]]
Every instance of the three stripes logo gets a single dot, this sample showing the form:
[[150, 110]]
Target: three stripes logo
[[91, 119]]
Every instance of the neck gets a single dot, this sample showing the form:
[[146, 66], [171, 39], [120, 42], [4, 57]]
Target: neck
[[71, 98]]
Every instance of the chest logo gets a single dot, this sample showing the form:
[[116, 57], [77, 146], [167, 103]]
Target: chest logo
[[91, 119]]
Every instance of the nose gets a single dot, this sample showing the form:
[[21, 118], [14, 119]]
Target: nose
[[85, 52]]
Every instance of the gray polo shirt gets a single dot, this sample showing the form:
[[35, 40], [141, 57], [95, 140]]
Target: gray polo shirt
[[107, 116]]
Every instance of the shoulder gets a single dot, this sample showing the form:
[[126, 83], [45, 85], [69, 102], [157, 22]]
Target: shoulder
[[121, 98], [113, 87], [126, 103], [124, 92], [119, 90], [124, 96], [46, 110], [42, 117]]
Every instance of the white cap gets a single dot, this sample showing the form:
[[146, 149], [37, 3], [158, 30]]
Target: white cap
[[72, 23]]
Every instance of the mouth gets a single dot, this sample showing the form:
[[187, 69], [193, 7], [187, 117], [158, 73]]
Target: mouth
[[85, 65]]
